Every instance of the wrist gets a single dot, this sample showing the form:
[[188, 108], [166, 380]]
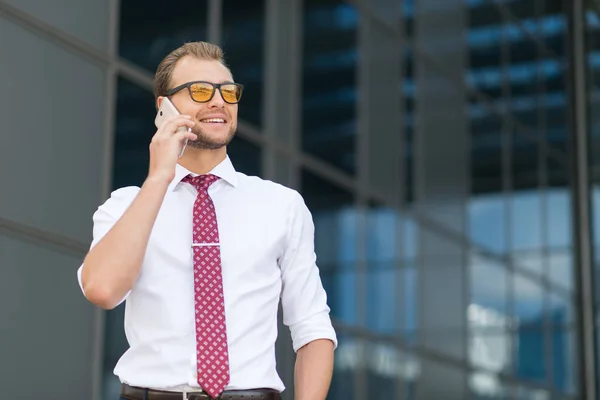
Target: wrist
[[161, 180]]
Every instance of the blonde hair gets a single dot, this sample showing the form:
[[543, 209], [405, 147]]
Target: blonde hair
[[200, 50]]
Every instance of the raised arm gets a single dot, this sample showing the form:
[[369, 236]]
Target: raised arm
[[113, 264]]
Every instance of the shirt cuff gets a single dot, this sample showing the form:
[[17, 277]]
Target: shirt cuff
[[314, 328]]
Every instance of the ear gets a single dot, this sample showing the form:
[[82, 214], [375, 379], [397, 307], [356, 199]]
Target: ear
[[159, 100]]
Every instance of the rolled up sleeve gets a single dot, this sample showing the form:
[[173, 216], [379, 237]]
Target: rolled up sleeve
[[105, 218], [304, 300]]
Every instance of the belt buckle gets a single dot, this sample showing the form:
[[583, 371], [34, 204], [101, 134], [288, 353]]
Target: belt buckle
[[185, 394]]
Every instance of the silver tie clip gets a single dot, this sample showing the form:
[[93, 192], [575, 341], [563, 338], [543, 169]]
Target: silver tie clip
[[204, 244]]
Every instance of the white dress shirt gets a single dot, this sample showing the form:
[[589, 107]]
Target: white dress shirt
[[267, 252]]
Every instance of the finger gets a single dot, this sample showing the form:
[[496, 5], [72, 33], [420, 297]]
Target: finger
[[171, 125], [181, 136]]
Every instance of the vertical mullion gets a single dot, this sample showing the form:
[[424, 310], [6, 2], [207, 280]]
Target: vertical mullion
[[215, 21], [581, 201], [110, 105]]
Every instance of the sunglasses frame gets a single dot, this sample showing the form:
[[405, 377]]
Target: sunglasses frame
[[216, 86]]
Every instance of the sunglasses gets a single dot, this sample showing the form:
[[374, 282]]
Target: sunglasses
[[202, 92]]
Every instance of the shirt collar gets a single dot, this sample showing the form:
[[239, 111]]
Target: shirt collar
[[223, 170]]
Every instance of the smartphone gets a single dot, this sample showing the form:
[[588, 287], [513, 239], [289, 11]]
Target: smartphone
[[167, 110]]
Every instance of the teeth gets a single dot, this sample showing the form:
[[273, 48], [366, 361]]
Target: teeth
[[213, 120]]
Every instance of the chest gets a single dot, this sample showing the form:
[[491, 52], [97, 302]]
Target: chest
[[250, 231]]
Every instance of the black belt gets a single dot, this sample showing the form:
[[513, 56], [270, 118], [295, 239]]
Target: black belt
[[136, 393]]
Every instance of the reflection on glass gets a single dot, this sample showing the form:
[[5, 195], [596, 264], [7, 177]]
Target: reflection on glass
[[490, 351], [385, 269], [335, 222], [151, 30], [115, 345], [486, 386], [329, 77], [559, 237], [526, 231], [487, 220], [390, 371], [528, 302], [528, 393], [489, 287], [530, 355], [564, 360], [243, 44], [245, 156], [486, 150], [344, 368], [560, 309], [134, 129]]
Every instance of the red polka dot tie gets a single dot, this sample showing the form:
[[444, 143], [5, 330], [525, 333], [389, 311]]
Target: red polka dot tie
[[211, 335]]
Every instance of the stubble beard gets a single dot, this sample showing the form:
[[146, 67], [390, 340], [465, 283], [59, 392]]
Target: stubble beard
[[206, 142]]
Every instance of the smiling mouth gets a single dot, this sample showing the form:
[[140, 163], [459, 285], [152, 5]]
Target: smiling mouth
[[213, 121]]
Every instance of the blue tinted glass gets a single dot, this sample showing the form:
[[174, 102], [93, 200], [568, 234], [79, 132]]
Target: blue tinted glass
[[134, 129], [488, 386], [150, 30], [347, 362], [383, 268], [526, 233], [530, 355], [564, 362], [243, 44], [336, 238], [528, 308], [489, 280], [487, 221], [329, 78]]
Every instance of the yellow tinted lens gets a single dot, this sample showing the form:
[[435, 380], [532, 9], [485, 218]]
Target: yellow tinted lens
[[231, 93], [201, 91]]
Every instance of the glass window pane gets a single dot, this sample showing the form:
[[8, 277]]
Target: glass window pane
[[388, 273], [336, 238], [561, 309], [243, 44], [487, 141], [347, 362], [491, 351], [526, 231], [486, 386], [484, 212], [245, 156], [146, 37], [531, 362], [565, 361], [133, 132], [489, 281], [329, 77], [528, 302]]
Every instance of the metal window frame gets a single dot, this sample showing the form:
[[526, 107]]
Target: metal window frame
[[579, 168]]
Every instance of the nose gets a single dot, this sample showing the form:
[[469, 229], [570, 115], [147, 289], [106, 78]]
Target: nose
[[217, 100]]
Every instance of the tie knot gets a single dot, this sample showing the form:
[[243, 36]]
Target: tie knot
[[201, 182]]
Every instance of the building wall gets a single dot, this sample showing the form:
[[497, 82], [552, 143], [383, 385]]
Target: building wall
[[53, 150], [429, 139]]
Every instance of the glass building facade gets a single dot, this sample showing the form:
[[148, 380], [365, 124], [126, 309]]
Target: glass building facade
[[448, 150]]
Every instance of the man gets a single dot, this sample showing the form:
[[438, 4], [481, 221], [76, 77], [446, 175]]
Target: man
[[202, 255]]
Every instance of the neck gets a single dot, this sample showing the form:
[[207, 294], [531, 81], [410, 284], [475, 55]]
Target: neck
[[202, 161]]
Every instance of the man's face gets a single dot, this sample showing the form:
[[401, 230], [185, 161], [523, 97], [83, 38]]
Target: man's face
[[216, 120]]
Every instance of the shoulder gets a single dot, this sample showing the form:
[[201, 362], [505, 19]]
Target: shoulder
[[270, 192], [118, 201], [264, 187]]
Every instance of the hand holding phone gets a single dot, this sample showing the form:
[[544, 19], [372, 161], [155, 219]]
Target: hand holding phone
[[167, 110], [169, 141]]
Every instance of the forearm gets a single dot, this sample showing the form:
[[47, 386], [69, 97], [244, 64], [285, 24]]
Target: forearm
[[313, 370], [111, 268]]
